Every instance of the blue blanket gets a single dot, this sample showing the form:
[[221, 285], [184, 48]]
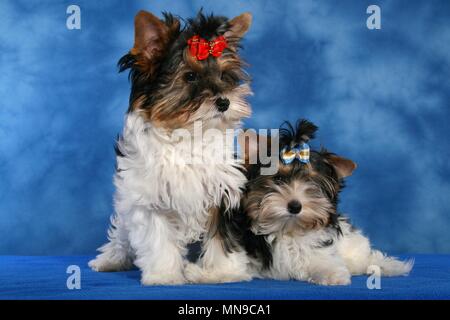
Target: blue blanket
[[45, 277]]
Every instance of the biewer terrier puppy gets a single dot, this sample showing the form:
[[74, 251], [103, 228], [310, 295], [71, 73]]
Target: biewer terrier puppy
[[180, 77], [289, 224]]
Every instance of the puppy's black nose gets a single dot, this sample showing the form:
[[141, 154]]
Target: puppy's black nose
[[222, 104], [294, 207]]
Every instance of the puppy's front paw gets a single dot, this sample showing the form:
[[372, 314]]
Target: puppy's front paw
[[196, 274], [339, 277], [153, 279], [103, 264]]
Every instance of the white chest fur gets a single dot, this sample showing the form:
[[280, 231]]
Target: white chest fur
[[161, 174]]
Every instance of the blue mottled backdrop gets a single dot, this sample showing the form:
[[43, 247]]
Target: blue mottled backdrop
[[380, 97]]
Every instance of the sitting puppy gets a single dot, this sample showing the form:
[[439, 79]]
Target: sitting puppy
[[185, 81], [288, 222]]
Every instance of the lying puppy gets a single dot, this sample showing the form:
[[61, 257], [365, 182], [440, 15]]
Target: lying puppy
[[288, 222]]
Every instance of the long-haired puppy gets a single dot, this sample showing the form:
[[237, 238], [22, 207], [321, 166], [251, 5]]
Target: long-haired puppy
[[168, 189], [289, 224]]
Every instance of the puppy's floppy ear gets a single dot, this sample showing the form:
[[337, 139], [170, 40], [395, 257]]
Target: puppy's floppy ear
[[238, 26], [151, 37], [344, 167]]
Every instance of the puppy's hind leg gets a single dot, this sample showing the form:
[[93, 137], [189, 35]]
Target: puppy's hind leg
[[116, 255], [358, 255]]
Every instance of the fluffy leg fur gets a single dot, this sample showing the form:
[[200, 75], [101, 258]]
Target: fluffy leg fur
[[216, 266], [295, 258], [328, 270], [116, 255], [158, 253], [358, 255]]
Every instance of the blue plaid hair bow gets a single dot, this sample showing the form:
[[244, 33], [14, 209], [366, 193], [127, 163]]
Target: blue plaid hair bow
[[299, 151]]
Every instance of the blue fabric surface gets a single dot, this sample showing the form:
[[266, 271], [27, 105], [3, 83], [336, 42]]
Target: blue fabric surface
[[44, 277]]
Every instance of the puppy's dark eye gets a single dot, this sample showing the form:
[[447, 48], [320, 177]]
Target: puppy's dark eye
[[190, 76], [278, 180], [230, 77]]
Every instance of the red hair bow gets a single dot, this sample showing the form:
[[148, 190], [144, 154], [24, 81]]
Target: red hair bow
[[201, 48]]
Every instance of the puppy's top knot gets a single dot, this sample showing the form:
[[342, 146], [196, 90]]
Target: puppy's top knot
[[303, 131]]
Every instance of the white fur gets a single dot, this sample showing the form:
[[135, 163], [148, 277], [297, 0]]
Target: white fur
[[358, 255], [218, 266], [162, 203], [301, 257]]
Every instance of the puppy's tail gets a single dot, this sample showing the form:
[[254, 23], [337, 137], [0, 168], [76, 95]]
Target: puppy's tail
[[389, 266]]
